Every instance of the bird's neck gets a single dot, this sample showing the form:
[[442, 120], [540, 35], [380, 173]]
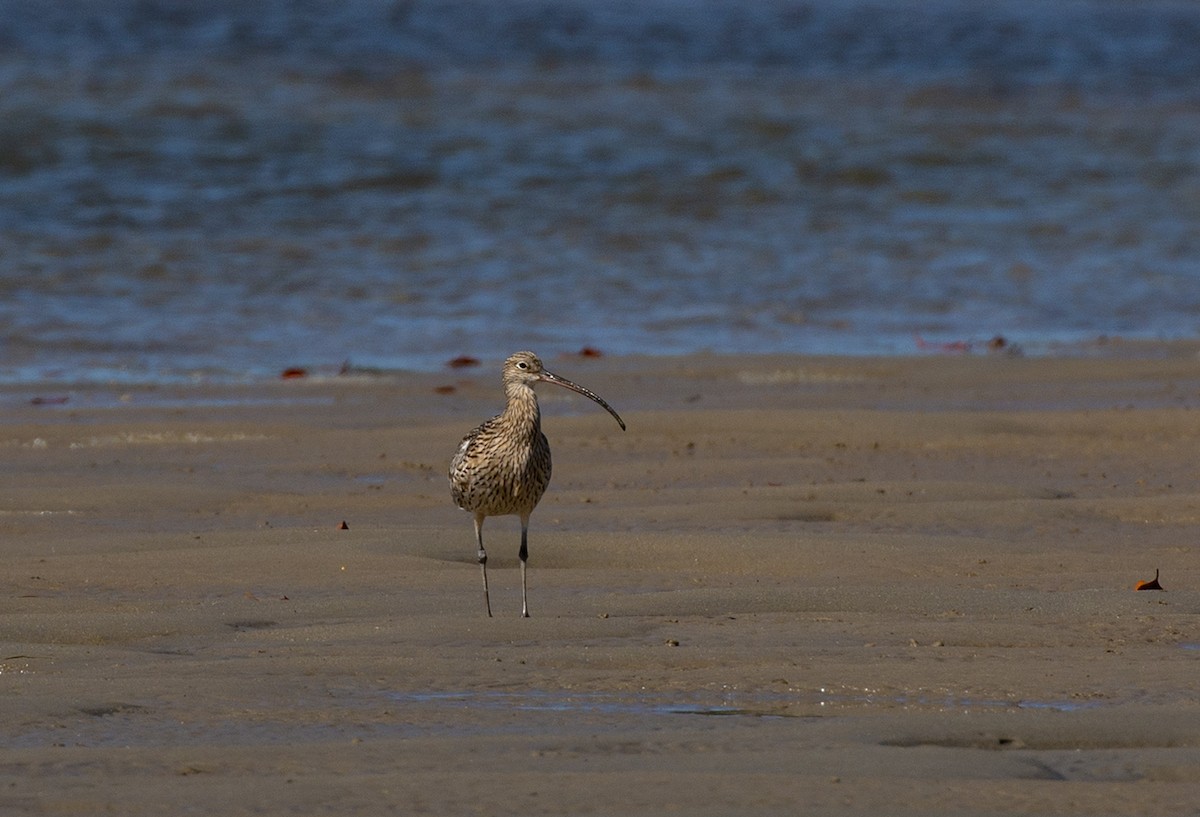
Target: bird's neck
[[522, 410]]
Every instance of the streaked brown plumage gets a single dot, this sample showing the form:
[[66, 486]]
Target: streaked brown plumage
[[503, 466]]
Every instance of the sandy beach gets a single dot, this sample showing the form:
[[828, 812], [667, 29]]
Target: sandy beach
[[795, 585]]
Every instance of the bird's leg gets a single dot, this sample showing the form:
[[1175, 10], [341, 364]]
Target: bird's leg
[[524, 556], [482, 561]]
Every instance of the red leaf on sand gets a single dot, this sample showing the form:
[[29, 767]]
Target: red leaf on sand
[[444, 389], [294, 372], [954, 347], [462, 362], [590, 351], [1150, 585]]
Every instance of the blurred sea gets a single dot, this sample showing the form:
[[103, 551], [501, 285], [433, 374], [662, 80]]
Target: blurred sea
[[222, 189]]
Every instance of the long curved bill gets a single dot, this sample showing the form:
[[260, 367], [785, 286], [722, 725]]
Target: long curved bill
[[550, 377]]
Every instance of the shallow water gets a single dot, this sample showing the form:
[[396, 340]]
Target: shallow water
[[790, 704], [220, 191], [342, 714]]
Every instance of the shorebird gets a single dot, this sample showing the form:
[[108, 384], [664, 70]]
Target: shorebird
[[503, 466]]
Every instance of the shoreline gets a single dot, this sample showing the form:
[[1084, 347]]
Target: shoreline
[[1099, 348], [1148, 374]]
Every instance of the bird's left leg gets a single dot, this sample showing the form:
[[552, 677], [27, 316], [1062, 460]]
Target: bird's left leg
[[524, 556], [482, 561]]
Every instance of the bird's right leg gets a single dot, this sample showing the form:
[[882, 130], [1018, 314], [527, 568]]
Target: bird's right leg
[[524, 557], [482, 561]]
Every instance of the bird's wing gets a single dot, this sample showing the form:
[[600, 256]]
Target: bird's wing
[[460, 464]]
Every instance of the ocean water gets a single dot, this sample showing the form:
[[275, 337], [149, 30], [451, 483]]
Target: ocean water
[[220, 190]]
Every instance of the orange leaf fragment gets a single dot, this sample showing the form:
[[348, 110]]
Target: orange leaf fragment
[[444, 389], [1150, 585], [294, 372], [462, 362], [590, 351], [954, 347]]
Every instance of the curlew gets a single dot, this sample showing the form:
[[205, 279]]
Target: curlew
[[503, 466]]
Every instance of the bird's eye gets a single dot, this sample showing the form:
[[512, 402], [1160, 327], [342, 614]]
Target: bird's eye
[[522, 365]]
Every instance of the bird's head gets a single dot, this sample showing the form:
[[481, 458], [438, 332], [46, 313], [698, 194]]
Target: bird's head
[[525, 369]]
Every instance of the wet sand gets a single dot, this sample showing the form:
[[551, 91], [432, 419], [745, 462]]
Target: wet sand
[[795, 585]]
